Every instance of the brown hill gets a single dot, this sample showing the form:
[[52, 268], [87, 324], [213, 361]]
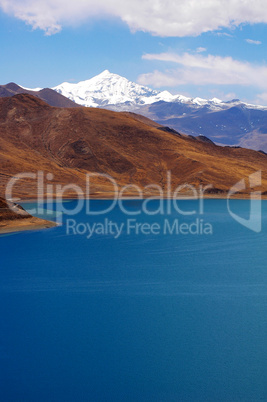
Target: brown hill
[[14, 218], [11, 212], [48, 95], [71, 142]]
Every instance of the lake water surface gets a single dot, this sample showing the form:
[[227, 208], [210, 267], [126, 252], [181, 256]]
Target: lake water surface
[[143, 317]]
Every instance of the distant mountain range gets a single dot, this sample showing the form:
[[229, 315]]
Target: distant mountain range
[[232, 123], [70, 142]]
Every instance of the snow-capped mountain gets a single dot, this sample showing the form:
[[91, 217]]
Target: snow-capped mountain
[[112, 89], [108, 89], [105, 89]]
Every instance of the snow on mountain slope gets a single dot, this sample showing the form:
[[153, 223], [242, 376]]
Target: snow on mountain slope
[[31, 89], [105, 89]]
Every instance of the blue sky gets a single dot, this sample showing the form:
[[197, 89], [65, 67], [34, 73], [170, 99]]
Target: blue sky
[[227, 60]]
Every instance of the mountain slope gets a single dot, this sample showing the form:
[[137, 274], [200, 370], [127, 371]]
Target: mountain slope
[[48, 95], [236, 125], [71, 142]]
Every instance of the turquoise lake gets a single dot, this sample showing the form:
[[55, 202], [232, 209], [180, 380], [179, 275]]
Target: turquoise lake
[[141, 317]]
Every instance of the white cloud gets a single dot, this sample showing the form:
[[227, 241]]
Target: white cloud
[[201, 49], [159, 17], [197, 69], [224, 34], [253, 42], [229, 96], [261, 99], [222, 95]]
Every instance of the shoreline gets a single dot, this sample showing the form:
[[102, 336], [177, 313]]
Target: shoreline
[[109, 197], [21, 225]]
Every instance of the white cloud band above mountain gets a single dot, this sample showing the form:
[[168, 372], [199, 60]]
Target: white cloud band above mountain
[[159, 17], [253, 42], [197, 69]]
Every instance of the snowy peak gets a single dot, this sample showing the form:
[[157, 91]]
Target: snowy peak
[[105, 89], [105, 73], [216, 100]]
